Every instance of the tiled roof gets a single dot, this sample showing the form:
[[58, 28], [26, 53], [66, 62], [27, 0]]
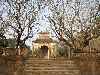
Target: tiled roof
[[43, 40], [43, 33]]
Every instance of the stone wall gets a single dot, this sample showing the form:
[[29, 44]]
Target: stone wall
[[89, 63], [11, 65], [13, 51]]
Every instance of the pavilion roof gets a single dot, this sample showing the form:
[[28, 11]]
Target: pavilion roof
[[49, 40]]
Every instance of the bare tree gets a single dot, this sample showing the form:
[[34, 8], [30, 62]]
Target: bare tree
[[22, 20], [70, 18]]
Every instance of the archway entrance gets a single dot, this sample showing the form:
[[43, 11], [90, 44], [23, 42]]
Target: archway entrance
[[44, 50]]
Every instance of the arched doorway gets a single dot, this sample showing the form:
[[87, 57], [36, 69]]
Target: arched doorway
[[44, 50]]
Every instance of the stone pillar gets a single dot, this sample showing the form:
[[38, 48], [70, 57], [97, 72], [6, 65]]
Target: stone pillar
[[48, 53], [19, 50], [69, 53]]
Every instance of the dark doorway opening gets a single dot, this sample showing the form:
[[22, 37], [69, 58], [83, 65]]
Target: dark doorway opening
[[44, 50]]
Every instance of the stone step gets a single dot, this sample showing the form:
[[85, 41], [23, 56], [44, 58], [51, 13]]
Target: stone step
[[46, 59], [40, 62], [51, 68], [50, 65], [52, 73], [98, 60], [50, 61], [31, 58]]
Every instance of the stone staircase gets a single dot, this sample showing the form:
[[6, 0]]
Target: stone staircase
[[40, 66]]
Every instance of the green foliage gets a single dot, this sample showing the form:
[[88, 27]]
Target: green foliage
[[82, 39], [3, 43], [11, 43], [98, 19], [62, 51], [7, 43]]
